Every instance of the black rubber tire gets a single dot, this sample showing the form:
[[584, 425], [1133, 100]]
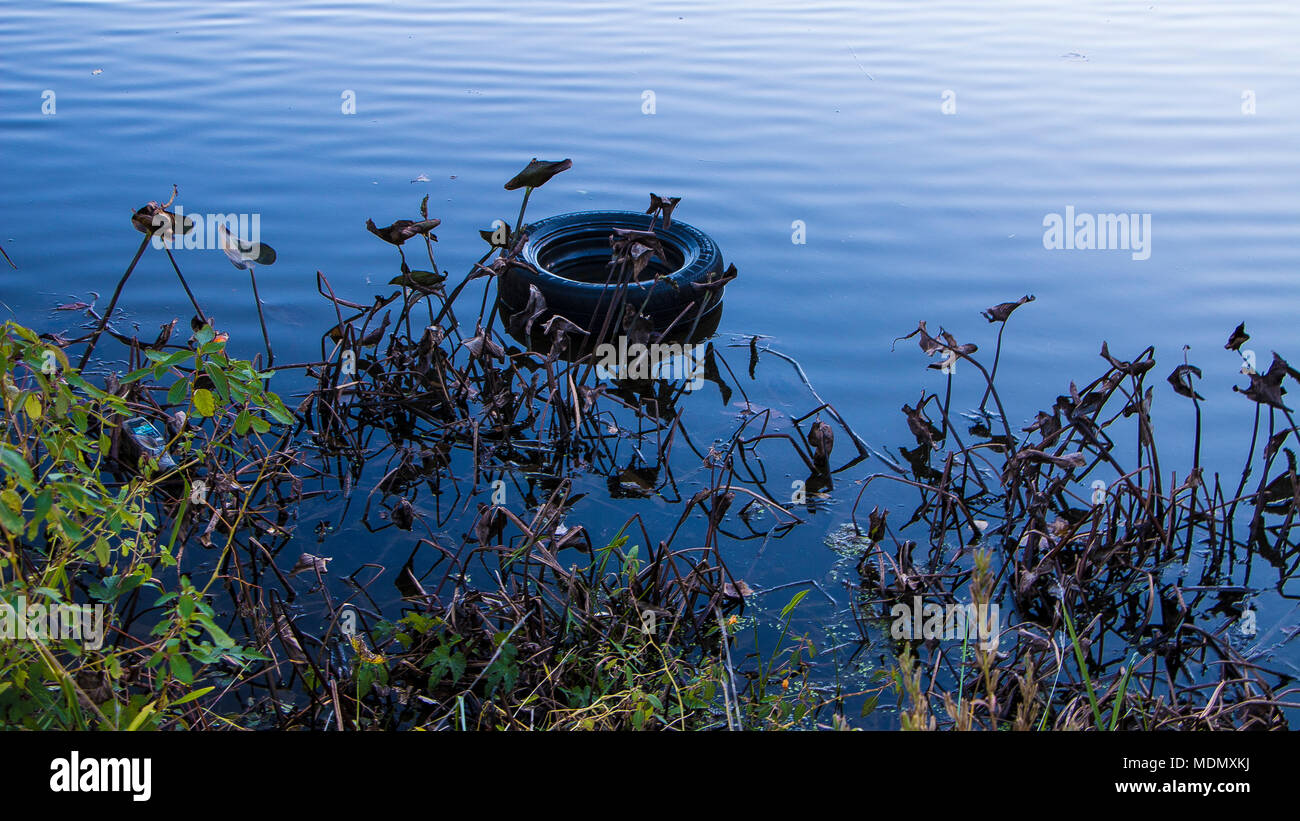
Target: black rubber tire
[[570, 252]]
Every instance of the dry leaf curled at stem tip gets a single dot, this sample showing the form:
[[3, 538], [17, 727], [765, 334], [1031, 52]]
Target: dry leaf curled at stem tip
[[1002, 311], [876, 524], [953, 346], [425, 281], [921, 427], [402, 230], [155, 219], [537, 173], [663, 206], [930, 346], [1181, 380], [1136, 368], [822, 438], [242, 253], [1266, 388], [1237, 338]]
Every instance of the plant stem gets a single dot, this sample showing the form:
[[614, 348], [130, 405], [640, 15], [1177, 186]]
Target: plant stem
[[112, 303]]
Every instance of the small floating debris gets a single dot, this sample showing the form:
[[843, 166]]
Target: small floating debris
[[309, 563], [149, 441]]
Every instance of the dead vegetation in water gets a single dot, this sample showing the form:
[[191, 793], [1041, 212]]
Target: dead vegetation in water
[[1126, 589], [425, 420], [626, 629], [413, 415]]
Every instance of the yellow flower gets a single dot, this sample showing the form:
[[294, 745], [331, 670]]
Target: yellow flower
[[359, 645]]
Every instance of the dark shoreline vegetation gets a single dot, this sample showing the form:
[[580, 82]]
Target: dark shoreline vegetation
[[170, 493]]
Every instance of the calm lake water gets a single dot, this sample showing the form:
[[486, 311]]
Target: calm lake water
[[916, 147]]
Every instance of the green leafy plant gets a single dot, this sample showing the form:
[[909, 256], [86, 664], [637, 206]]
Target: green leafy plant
[[83, 513]]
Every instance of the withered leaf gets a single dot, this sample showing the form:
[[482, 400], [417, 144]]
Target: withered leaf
[[1131, 368], [663, 206], [289, 640], [928, 343], [497, 238], [164, 334], [402, 230], [557, 325], [876, 524], [243, 253], [636, 247], [716, 282], [155, 219], [1237, 338], [918, 458], [375, 336], [590, 395], [1274, 442], [1142, 406], [489, 525], [557, 329], [404, 515], [1282, 489], [1266, 388], [1263, 391], [1181, 380], [822, 438], [307, 563], [536, 173], [637, 326], [738, 590], [1002, 311], [520, 323], [721, 503], [1279, 364], [419, 280], [1069, 460], [483, 346], [921, 427]]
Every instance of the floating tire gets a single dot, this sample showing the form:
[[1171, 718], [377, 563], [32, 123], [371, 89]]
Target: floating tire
[[567, 260]]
